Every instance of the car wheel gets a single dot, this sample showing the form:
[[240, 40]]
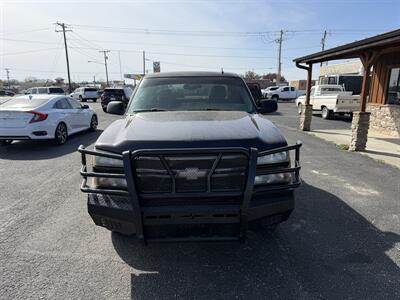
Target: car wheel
[[105, 109], [326, 113], [299, 108], [275, 97], [93, 123], [81, 99], [94, 100], [6, 142], [61, 134]]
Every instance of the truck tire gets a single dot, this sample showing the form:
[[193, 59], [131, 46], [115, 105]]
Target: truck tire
[[326, 113], [299, 108]]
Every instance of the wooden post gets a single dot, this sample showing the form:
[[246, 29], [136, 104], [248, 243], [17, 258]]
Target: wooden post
[[308, 88], [364, 89]]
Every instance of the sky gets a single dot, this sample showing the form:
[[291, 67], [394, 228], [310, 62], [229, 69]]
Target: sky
[[185, 35]]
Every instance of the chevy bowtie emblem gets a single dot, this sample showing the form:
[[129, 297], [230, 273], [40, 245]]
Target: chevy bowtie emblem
[[190, 173]]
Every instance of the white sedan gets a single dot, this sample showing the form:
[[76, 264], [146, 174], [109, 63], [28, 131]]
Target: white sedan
[[44, 117]]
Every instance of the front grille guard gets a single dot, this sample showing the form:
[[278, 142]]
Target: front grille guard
[[134, 197]]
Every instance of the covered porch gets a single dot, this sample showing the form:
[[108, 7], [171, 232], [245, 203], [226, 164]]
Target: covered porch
[[380, 56]]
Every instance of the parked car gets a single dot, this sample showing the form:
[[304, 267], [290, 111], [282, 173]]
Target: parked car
[[6, 93], [85, 93], [45, 90], [115, 94], [330, 99], [284, 93], [192, 157], [44, 117], [268, 89]]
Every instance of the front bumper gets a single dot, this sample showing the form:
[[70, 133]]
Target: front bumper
[[128, 212]]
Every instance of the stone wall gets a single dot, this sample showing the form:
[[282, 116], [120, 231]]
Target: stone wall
[[385, 119]]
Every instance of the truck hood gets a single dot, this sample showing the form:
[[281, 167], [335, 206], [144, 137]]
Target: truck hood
[[190, 129]]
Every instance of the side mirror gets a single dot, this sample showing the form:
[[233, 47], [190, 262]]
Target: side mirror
[[116, 108], [85, 106], [267, 106]]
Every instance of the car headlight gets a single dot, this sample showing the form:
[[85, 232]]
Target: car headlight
[[273, 158], [273, 178]]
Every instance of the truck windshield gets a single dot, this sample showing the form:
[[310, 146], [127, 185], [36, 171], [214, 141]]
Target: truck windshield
[[191, 93]]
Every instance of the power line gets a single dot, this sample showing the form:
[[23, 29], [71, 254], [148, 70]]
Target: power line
[[28, 51]]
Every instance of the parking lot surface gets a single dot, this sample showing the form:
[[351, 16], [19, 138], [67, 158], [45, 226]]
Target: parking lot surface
[[342, 241]]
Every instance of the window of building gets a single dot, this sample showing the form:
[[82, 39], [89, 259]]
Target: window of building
[[393, 91]]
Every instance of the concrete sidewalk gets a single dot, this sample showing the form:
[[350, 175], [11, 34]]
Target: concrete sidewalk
[[380, 147]]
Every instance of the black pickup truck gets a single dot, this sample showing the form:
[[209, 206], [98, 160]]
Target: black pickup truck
[[192, 159]]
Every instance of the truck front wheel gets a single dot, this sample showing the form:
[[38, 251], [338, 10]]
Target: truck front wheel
[[326, 113]]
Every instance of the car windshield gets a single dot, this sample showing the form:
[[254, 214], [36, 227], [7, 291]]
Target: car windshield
[[23, 103], [191, 93], [56, 91], [273, 88]]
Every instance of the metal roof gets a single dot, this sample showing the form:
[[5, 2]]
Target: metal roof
[[353, 50]]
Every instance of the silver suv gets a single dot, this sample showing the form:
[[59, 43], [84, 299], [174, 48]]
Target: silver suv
[[85, 93]]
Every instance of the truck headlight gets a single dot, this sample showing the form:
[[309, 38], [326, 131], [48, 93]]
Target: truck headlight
[[102, 161], [273, 178], [105, 182], [106, 162], [273, 158]]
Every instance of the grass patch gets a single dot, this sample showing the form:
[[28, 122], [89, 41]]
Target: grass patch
[[343, 146]]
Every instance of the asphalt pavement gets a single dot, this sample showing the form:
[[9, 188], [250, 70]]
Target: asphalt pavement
[[341, 242]]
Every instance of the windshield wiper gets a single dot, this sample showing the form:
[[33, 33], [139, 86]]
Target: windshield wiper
[[148, 110]]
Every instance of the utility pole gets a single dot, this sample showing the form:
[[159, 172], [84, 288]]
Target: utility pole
[[8, 77], [323, 41], [120, 67], [64, 29], [105, 62], [144, 63], [279, 41]]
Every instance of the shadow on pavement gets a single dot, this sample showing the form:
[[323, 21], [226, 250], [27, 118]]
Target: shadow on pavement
[[325, 250], [37, 150]]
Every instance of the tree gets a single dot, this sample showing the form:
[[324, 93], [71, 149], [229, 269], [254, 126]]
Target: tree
[[251, 75], [272, 77]]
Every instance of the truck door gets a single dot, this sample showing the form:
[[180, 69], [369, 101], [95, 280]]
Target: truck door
[[285, 94]]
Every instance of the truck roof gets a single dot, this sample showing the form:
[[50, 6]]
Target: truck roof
[[191, 74]]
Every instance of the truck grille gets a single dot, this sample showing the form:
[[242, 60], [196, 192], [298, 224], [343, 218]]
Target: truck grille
[[190, 173]]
